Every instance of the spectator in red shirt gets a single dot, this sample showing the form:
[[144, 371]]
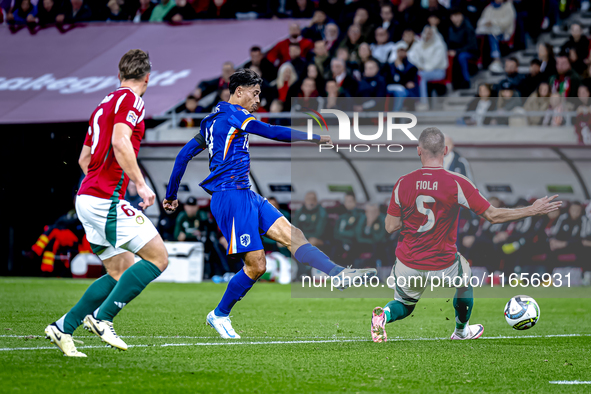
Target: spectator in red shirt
[[279, 54], [286, 78]]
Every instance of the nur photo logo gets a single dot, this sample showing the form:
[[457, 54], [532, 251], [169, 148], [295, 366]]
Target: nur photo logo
[[344, 124]]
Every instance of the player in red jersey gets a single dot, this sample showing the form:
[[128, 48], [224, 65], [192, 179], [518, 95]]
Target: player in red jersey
[[116, 231], [425, 205]]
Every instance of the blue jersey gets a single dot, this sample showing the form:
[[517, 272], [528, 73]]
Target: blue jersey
[[225, 133], [229, 158]]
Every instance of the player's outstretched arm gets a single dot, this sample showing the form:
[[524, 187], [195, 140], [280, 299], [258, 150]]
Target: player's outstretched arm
[[125, 155], [84, 159], [191, 149], [540, 207], [281, 133]]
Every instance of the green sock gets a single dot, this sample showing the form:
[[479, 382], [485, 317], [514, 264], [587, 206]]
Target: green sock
[[130, 285], [93, 297], [396, 310], [463, 303]]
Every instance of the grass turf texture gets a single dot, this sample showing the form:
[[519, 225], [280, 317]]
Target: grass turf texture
[[268, 314]]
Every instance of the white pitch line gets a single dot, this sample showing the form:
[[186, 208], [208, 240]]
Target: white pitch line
[[497, 337], [192, 344], [342, 340], [178, 337], [569, 382], [315, 337]]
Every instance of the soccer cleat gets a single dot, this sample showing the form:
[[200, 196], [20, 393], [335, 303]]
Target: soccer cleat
[[63, 341], [348, 275], [105, 331], [378, 325], [474, 331], [222, 325]]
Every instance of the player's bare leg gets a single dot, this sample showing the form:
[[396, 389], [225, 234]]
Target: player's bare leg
[[118, 264], [131, 283], [60, 332], [255, 265], [293, 238]]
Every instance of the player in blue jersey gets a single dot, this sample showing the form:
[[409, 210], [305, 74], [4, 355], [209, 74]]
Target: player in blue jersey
[[243, 215]]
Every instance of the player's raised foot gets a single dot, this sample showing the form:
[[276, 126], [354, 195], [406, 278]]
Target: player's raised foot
[[105, 331], [378, 325], [474, 331], [63, 341], [347, 276], [222, 325]]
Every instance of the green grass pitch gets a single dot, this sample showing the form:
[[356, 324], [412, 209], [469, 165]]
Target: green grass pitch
[[289, 345]]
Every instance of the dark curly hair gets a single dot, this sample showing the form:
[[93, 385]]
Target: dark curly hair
[[244, 77]]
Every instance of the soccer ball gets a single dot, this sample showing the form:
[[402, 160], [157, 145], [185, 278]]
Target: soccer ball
[[522, 312]]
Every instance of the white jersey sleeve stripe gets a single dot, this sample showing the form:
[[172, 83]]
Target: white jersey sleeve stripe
[[119, 102], [141, 105], [141, 117], [463, 177], [461, 197], [137, 98], [396, 199]]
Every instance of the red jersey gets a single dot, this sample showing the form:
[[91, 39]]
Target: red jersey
[[428, 201], [105, 177]]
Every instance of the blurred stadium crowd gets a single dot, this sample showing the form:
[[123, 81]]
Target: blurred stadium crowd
[[412, 48]]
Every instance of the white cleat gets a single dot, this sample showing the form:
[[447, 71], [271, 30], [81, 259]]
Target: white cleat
[[474, 331], [222, 325], [105, 331], [348, 275], [63, 341]]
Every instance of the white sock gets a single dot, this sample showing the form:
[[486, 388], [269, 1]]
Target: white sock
[[463, 332], [60, 323]]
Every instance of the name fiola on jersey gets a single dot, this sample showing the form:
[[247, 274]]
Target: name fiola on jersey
[[426, 185]]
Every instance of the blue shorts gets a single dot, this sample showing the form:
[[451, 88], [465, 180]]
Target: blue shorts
[[243, 216]]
